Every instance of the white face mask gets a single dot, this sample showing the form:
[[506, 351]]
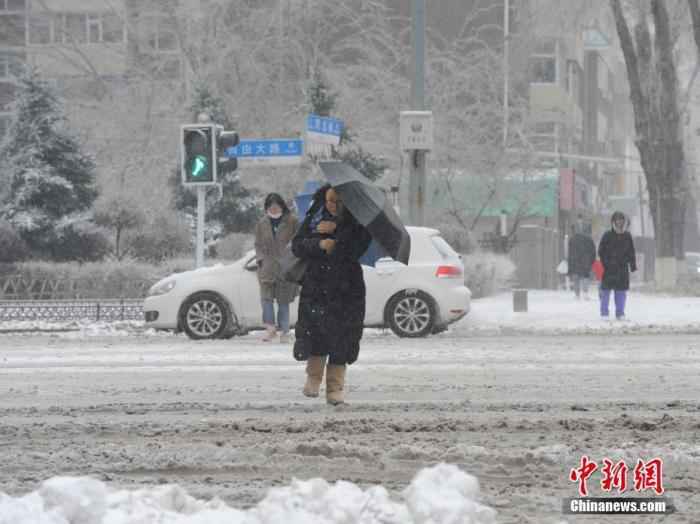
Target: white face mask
[[274, 215]]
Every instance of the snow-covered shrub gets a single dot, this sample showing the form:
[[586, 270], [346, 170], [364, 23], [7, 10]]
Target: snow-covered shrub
[[233, 246], [487, 273], [81, 242], [12, 247], [166, 237], [126, 278], [459, 238]]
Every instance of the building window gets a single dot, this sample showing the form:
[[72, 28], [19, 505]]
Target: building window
[[170, 68], [80, 28], [74, 28], [543, 63], [105, 28], [94, 29], [40, 30], [160, 34], [12, 30], [7, 95], [112, 28], [12, 5], [5, 122], [544, 137], [11, 65]]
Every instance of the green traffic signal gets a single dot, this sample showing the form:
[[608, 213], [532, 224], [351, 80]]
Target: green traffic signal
[[200, 166], [198, 152]]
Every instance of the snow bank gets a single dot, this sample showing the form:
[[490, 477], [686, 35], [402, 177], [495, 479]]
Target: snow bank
[[442, 494], [553, 312], [80, 328]]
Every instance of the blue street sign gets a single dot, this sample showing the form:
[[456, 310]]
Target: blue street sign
[[324, 125], [277, 151], [324, 129], [267, 147]]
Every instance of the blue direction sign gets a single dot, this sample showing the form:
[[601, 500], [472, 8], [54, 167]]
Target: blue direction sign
[[270, 152], [323, 129]]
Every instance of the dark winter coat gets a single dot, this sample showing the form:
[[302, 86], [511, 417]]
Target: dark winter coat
[[332, 301], [616, 252], [269, 249], [581, 255]]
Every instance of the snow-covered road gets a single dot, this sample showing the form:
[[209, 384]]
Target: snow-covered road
[[227, 419]]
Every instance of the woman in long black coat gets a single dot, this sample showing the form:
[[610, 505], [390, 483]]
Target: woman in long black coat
[[616, 252], [332, 299]]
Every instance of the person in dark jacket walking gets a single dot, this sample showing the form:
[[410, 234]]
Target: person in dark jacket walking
[[272, 234], [581, 258], [616, 252], [332, 300]]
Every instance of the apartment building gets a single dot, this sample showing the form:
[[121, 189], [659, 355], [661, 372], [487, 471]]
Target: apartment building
[[74, 41]]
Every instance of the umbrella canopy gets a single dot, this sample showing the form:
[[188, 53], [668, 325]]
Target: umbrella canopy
[[371, 207]]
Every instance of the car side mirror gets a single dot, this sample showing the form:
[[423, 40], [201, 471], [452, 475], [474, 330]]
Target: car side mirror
[[251, 265]]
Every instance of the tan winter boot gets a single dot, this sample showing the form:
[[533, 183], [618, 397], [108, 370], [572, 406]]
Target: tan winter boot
[[335, 383], [270, 333], [314, 375]]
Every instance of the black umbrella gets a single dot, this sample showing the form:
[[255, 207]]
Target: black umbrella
[[371, 207]]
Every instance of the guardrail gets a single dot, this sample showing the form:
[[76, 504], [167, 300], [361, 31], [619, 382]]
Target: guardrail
[[108, 310]]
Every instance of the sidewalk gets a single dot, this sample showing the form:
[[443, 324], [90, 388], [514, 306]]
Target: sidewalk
[[551, 312]]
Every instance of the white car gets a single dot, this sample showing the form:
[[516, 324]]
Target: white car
[[414, 300]]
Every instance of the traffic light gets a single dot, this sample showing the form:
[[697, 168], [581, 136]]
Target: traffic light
[[198, 154], [224, 140]]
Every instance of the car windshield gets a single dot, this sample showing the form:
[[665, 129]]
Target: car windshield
[[444, 248]]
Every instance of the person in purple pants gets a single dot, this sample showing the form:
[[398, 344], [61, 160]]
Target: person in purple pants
[[616, 252]]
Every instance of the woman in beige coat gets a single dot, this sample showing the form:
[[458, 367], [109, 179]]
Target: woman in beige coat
[[272, 234]]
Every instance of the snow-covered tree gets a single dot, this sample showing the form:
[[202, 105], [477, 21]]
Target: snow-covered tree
[[233, 208], [50, 180], [322, 101], [118, 215]]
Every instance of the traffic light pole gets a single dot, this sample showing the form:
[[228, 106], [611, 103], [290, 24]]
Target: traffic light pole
[[199, 248]]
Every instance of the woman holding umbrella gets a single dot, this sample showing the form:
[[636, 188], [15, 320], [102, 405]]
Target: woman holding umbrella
[[332, 300]]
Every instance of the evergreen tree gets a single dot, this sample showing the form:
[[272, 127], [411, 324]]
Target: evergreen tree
[[322, 100], [50, 181], [232, 209]]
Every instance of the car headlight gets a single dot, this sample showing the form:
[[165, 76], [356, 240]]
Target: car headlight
[[162, 288]]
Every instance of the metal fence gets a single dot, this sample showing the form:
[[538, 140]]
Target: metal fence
[[108, 310], [15, 287]]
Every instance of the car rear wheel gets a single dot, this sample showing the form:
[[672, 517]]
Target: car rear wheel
[[411, 314], [204, 316]]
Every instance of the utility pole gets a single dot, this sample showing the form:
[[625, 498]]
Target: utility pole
[[506, 68], [417, 161]]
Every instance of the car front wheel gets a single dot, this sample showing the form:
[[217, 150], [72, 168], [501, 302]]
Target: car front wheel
[[204, 316], [411, 314]]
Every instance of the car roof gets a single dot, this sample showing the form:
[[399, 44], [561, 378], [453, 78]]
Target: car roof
[[427, 231], [419, 250]]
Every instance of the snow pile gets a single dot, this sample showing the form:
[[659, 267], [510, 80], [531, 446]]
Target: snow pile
[[80, 328], [442, 494], [551, 312]]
